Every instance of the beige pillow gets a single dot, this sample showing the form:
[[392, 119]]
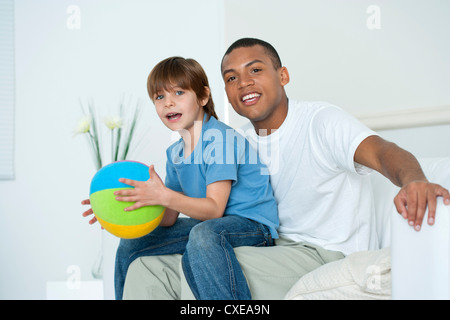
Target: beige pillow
[[361, 275]]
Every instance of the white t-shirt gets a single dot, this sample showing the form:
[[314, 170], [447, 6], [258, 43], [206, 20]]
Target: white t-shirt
[[323, 196]]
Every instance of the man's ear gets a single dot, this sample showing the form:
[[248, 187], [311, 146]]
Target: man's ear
[[284, 76]]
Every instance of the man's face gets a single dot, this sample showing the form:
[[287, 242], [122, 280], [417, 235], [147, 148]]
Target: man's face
[[253, 86]]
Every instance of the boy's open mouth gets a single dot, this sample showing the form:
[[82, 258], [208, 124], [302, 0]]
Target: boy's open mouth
[[173, 116]]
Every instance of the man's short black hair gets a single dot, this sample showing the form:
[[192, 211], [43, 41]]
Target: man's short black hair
[[250, 42]]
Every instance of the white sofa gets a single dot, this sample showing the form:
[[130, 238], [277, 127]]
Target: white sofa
[[421, 260], [408, 265]]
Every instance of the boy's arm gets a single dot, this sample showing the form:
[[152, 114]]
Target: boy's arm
[[210, 207], [169, 218], [403, 169], [154, 192]]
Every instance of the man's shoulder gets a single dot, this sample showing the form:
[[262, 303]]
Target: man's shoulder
[[310, 106], [299, 112], [314, 112]]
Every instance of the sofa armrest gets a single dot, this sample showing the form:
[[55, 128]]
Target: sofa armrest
[[420, 260]]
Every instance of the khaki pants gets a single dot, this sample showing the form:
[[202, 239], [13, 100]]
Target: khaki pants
[[270, 271]]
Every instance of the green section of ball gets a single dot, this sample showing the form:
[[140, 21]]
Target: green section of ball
[[105, 206]]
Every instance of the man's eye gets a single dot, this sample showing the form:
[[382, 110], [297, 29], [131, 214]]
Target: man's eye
[[232, 78], [255, 70]]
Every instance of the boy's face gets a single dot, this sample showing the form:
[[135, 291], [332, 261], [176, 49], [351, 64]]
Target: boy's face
[[254, 87], [179, 108]]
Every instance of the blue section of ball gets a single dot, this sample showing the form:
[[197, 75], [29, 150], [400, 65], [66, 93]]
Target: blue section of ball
[[108, 176]]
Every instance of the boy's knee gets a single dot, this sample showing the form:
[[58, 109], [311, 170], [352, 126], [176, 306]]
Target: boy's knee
[[204, 234], [124, 246]]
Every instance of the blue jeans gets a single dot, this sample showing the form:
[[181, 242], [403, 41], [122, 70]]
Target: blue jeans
[[209, 263]]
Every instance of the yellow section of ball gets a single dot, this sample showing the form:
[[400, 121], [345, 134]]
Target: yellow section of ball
[[131, 232]]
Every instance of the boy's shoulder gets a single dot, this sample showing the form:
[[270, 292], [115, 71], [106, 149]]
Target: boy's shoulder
[[221, 132], [176, 145], [213, 123]]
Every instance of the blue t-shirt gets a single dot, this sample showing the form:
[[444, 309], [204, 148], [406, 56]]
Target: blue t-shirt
[[223, 154]]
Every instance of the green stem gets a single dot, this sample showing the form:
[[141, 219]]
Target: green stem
[[112, 145]]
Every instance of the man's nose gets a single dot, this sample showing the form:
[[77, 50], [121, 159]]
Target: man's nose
[[246, 81]]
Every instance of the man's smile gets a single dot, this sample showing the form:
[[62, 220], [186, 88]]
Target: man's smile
[[250, 98]]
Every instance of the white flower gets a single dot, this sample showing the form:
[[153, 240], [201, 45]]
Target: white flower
[[113, 122], [84, 125]]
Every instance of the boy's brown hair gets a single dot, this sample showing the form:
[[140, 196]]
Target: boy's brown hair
[[187, 74]]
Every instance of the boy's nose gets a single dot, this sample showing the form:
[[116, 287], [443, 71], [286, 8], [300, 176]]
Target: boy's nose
[[169, 102]]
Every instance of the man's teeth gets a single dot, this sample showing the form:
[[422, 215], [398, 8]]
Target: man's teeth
[[250, 96]]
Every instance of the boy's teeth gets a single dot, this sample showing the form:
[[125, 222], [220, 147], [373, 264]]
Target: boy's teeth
[[171, 115], [250, 96]]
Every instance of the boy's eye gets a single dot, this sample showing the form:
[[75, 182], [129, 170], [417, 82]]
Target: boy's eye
[[254, 70], [159, 97], [179, 92], [232, 78]]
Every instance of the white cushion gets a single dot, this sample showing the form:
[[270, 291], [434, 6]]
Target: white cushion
[[361, 275]]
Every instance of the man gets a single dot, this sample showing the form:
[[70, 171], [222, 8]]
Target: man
[[269, 109], [317, 157]]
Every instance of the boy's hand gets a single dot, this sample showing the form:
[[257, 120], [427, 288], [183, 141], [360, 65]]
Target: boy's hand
[[88, 212], [145, 193]]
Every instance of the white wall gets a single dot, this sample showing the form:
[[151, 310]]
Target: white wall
[[423, 141], [333, 56], [42, 232], [330, 53]]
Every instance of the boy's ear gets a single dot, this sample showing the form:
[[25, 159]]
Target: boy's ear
[[284, 76], [205, 100]]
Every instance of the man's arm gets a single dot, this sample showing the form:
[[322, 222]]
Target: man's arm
[[403, 169]]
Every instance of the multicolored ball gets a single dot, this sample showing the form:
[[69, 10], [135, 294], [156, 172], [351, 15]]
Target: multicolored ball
[[110, 212]]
